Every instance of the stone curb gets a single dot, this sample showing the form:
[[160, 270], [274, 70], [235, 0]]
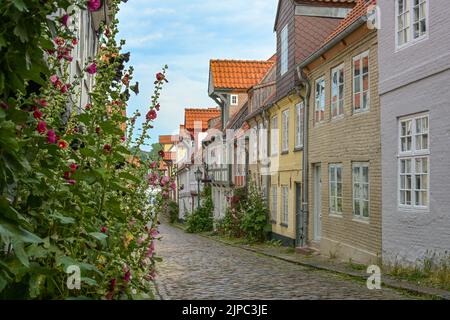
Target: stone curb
[[386, 280]]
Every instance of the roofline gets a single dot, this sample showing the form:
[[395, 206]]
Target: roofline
[[330, 44]]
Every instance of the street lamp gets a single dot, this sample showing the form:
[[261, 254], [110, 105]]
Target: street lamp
[[198, 177]]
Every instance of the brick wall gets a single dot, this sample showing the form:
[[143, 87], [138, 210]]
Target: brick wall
[[347, 139]]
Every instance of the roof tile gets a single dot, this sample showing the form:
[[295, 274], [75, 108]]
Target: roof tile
[[192, 115]]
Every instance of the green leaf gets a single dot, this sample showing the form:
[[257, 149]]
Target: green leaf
[[36, 284], [3, 282], [89, 281], [98, 235], [7, 229], [20, 5], [129, 176], [63, 219], [20, 253]]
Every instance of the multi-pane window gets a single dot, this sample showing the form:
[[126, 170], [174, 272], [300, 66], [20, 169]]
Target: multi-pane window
[[234, 99], [284, 50], [319, 108], [412, 16], [274, 202], [299, 116], [285, 131], [284, 204], [361, 190], [274, 136], [414, 163], [335, 188], [337, 91], [361, 82]]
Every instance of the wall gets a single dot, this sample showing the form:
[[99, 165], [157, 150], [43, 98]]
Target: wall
[[412, 80], [347, 139]]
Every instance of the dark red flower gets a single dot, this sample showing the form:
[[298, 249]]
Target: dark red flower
[[65, 20], [73, 167], [104, 229], [4, 105], [92, 69], [42, 127], [67, 175], [151, 115], [42, 102], [88, 106], [107, 148], [157, 107], [161, 153], [160, 76], [123, 138], [127, 276], [74, 41], [37, 114], [51, 136], [62, 144], [98, 130]]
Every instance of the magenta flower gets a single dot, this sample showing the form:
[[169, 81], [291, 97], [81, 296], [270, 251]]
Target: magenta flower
[[71, 182], [151, 250], [94, 5], [164, 180], [173, 186], [92, 69], [42, 127], [127, 276], [51, 136], [154, 233], [65, 20], [73, 167]]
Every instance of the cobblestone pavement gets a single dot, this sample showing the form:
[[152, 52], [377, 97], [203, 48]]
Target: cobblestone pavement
[[195, 267]]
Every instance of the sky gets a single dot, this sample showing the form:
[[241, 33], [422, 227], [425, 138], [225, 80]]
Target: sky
[[185, 35]]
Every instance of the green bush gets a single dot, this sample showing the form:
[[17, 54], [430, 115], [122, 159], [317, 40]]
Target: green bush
[[173, 211], [201, 219]]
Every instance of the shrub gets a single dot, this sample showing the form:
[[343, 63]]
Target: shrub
[[173, 211], [201, 219]]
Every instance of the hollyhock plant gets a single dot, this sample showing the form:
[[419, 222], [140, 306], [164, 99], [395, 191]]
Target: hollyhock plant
[[153, 165], [92, 68], [161, 77], [104, 229], [42, 102], [107, 148], [67, 175], [71, 182], [164, 181], [62, 144], [54, 78], [65, 20], [37, 114], [157, 107], [42, 127], [161, 154], [73, 167]]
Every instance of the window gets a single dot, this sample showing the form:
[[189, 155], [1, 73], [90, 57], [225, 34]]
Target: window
[[284, 50], [299, 114], [361, 190], [319, 110], [412, 19], [414, 162], [274, 202], [285, 132], [335, 188], [234, 99], [285, 205], [274, 136], [361, 82], [337, 91]]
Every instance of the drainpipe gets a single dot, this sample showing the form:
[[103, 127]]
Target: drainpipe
[[304, 81]]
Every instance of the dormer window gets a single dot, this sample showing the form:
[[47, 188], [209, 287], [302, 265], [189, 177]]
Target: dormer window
[[234, 99], [284, 50]]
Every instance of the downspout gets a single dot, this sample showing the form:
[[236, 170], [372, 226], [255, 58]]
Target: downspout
[[304, 81], [266, 156]]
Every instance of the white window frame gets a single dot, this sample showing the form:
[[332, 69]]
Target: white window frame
[[274, 202], [413, 154], [409, 5], [361, 57], [333, 177], [284, 50], [274, 136], [236, 102], [361, 182], [285, 205], [299, 117], [319, 99], [285, 131], [336, 92]]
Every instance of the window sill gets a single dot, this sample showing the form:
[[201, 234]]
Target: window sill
[[297, 149], [414, 210], [338, 117], [273, 221], [284, 225], [284, 153], [361, 220], [357, 113], [335, 215], [411, 43]]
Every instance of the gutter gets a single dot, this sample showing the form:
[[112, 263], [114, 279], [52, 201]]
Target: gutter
[[317, 54], [301, 238]]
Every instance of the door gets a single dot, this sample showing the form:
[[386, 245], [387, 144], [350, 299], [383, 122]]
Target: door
[[300, 219], [317, 222]]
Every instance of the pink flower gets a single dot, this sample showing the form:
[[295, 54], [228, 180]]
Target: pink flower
[[151, 115], [71, 182], [37, 114], [51, 136], [173, 186], [127, 276], [164, 180], [140, 240], [92, 69], [151, 249], [42, 127], [65, 20], [150, 276], [153, 165], [154, 233], [94, 5], [42, 102], [68, 58], [54, 78]]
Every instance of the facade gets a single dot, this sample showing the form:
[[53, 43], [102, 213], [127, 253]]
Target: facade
[[301, 27], [415, 136], [167, 164], [344, 154], [229, 82], [190, 157]]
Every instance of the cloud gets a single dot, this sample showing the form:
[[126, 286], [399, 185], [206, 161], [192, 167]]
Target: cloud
[[144, 41]]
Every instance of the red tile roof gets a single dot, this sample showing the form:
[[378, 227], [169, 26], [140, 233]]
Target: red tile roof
[[201, 115], [238, 74], [168, 139], [357, 12], [329, 1]]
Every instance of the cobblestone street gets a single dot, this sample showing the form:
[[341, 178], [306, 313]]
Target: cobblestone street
[[195, 267]]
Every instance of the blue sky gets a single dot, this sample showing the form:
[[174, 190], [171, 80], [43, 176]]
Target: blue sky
[[186, 34]]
